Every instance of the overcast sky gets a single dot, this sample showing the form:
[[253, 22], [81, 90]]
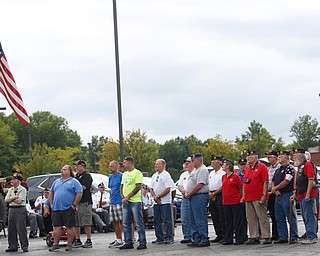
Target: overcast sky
[[201, 67]]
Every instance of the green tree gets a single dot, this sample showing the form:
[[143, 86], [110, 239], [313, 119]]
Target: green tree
[[306, 132], [110, 151], [257, 138], [7, 150], [48, 160], [144, 151], [45, 128]]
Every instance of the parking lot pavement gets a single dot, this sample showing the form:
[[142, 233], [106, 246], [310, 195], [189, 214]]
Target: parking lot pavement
[[102, 240]]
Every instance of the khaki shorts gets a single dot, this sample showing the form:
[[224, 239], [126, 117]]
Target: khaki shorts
[[84, 215]]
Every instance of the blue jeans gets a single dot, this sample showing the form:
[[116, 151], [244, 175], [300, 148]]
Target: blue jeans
[[282, 212], [308, 214], [185, 218], [199, 218], [163, 212], [133, 211]]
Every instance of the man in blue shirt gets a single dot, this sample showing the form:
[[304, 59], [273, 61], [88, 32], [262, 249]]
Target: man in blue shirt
[[115, 202], [65, 194]]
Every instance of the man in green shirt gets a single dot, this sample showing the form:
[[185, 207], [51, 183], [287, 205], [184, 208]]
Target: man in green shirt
[[132, 206]]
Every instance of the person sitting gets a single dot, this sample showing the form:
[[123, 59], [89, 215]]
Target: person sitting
[[100, 209], [36, 222], [39, 207]]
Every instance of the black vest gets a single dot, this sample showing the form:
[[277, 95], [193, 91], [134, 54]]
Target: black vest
[[302, 181]]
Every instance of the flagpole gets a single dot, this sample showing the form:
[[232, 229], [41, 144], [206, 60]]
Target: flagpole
[[116, 47]]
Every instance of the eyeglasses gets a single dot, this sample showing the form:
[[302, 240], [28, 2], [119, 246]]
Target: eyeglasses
[[157, 179]]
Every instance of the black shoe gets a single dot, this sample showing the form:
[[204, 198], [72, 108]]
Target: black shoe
[[25, 250], [238, 242], [141, 247], [226, 243], [216, 240], [32, 235], [293, 241], [126, 246], [274, 238], [185, 241], [281, 241], [267, 241], [192, 244], [42, 234], [11, 250], [252, 241], [205, 244]]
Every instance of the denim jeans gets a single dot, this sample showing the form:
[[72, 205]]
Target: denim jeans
[[199, 218], [308, 210], [185, 218], [282, 212], [129, 211], [163, 212]]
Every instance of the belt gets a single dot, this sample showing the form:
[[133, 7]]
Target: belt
[[17, 206]]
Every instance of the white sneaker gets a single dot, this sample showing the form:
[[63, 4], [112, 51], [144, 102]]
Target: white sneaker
[[311, 241]]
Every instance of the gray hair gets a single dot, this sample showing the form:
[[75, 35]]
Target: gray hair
[[163, 162]]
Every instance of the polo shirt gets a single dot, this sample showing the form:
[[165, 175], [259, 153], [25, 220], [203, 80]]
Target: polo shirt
[[254, 179], [198, 176], [64, 193], [183, 180], [115, 184], [129, 181], [215, 179], [231, 186]]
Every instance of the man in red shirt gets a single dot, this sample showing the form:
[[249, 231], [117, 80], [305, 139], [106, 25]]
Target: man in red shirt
[[306, 193], [255, 195]]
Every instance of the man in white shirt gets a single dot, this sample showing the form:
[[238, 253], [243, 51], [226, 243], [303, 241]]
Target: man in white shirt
[[100, 209], [215, 205], [160, 189], [185, 204]]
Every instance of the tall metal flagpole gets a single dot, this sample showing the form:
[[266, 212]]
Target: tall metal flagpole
[[116, 47]]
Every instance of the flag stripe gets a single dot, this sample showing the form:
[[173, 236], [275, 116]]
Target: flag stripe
[[10, 91]]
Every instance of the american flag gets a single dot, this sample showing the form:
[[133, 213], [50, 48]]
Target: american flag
[[10, 91]]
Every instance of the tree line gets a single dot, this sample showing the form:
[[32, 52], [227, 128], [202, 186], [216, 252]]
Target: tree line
[[47, 143]]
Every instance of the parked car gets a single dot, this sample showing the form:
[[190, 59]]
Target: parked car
[[37, 184]]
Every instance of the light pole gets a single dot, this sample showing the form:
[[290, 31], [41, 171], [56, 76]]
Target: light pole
[[116, 47]]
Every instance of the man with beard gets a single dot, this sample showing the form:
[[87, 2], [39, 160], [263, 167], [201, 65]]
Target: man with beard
[[306, 193]]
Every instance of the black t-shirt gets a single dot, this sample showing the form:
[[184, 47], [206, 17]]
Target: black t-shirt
[[280, 175], [85, 179]]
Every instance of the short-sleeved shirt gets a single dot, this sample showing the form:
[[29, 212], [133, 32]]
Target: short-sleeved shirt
[[64, 193], [285, 172], [159, 182], [254, 178], [129, 181], [198, 176], [103, 197], [39, 201], [19, 191], [231, 186], [215, 179], [309, 172], [183, 180], [85, 179], [115, 184]]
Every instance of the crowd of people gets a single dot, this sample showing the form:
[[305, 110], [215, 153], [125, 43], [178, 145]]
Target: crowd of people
[[239, 201]]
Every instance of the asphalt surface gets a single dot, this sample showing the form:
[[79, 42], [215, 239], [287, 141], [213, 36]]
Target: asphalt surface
[[101, 242]]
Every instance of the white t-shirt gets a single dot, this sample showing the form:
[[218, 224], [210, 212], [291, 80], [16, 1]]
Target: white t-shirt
[[215, 179], [159, 182], [184, 179], [146, 200]]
